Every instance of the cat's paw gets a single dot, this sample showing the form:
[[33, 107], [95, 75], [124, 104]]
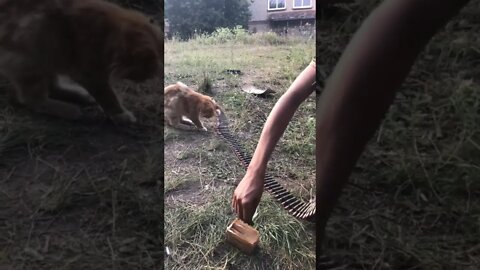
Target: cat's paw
[[125, 117], [203, 129]]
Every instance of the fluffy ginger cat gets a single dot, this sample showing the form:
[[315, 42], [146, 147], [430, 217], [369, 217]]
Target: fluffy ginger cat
[[50, 44], [183, 107]]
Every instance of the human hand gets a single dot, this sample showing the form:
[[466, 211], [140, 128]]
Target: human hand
[[247, 195]]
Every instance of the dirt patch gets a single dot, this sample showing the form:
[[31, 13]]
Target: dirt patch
[[82, 195]]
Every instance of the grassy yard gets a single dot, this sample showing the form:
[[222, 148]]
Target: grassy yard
[[201, 172], [413, 202]]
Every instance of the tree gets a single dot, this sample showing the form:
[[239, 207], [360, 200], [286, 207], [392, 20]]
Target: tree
[[203, 16]]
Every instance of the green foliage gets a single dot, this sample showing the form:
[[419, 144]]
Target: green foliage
[[192, 17], [271, 38], [223, 35], [240, 35]]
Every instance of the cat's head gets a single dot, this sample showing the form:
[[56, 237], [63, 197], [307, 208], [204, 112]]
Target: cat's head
[[209, 107]]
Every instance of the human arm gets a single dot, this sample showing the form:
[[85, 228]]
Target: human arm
[[362, 88], [249, 191]]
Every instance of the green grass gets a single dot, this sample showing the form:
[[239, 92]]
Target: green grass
[[201, 172]]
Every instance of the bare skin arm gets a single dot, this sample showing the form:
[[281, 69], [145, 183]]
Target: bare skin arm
[[249, 191], [362, 88]]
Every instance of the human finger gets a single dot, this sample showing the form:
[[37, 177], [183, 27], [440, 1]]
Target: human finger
[[239, 208], [247, 212]]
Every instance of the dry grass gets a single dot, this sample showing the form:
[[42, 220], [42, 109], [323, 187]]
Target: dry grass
[[82, 195]]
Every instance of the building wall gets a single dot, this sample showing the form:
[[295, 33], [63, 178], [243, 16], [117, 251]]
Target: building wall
[[259, 10], [259, 22]]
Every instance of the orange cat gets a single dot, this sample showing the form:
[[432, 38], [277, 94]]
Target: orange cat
[[183, 107], [88, 42]]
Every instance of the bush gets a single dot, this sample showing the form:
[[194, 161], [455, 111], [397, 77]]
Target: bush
[[222, 35], [240, 35]]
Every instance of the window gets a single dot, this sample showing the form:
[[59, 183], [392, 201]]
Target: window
[[302, 3], [276, 4]]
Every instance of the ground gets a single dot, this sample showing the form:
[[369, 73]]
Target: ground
[[85, 194], [201, 171]]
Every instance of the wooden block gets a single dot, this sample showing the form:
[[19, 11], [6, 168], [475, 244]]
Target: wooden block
[[242, 236]]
